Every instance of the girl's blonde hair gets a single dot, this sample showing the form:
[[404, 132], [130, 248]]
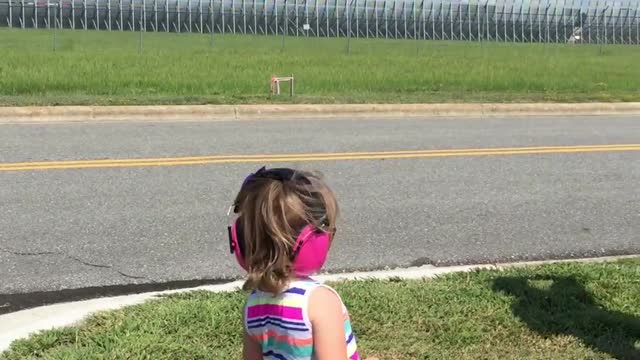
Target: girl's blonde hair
[[272, 214]]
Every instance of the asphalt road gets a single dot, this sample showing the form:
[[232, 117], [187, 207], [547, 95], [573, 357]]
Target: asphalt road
[[78, 228]]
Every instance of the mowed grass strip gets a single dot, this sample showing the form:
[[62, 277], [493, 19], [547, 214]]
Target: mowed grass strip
[[560, 311], [91, 67]]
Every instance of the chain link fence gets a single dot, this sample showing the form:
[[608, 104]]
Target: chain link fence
[[566, 21]]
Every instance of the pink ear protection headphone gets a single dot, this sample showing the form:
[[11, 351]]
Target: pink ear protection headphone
[[312, 243]]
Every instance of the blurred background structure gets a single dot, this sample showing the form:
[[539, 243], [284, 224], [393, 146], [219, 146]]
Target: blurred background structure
[[560, 21]]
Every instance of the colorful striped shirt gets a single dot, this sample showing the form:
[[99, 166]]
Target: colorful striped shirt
[[281, 325]]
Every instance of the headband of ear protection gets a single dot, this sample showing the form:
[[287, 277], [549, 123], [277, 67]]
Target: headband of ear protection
[[312, 244]]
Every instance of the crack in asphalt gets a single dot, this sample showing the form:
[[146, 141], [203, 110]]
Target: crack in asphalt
[[76, 259]]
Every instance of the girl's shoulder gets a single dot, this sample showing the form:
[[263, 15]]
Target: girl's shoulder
[[298, 289], [308, 286], [326, 292], [311, 287]]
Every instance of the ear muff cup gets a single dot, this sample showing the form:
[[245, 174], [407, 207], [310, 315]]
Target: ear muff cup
[[313, 247], [309, 252], [236, 239]]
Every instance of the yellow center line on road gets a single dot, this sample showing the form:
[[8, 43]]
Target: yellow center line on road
[[268, 158], [296, 155]]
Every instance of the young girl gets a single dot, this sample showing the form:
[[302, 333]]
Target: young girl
[[285, 225]]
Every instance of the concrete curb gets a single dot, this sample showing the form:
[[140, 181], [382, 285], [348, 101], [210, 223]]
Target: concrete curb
[[255, 112], [23, 323]]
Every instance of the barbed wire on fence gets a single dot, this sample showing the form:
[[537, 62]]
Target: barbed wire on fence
[[545, 21]]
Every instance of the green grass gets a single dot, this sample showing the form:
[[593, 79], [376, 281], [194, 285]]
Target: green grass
[[561, 311], [107, 68]]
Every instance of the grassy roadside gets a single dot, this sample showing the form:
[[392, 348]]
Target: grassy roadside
[[107, 68], [561, 311]]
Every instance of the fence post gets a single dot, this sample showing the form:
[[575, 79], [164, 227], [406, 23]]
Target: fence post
[[605, 29], [233, 16], [178, 27], [605, 26], [613, 26], [155, 15], [348, 31], [424, 21], [97, 20], [375, 12], [451, 19], [460, 21], [283, 30], [55, 26], [479, 22], [629, 21], [337, 17], [486, 9], [504, 22], [386, 20], [441, 22], [292, 84], [521, 18], [377, 21], [597, 17], [637, 19], [469, 36], [317, 20], [496, 21], [546, 22], [358, 18], [144, 14], [404, 18], [211, 18]]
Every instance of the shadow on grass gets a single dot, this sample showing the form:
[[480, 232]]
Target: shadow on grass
[[562, 306]]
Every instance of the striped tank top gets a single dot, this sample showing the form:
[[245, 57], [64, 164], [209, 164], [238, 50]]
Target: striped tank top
[[281, 325]]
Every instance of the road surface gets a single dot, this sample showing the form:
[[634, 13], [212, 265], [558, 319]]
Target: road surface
[[438, 191]]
